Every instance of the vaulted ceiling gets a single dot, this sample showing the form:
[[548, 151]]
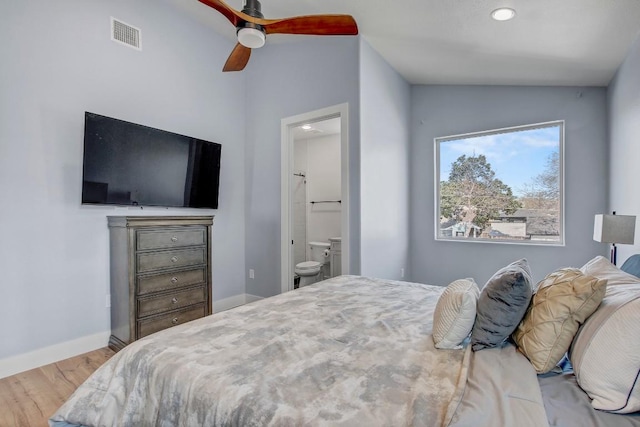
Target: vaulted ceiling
[[549, 42]]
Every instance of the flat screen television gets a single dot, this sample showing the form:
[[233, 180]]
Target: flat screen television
[[129, 164]]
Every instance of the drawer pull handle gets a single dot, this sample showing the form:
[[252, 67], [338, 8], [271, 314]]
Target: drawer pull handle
[[174, 280], [174, 238], [174, 259], [174, 320], [174, 300]]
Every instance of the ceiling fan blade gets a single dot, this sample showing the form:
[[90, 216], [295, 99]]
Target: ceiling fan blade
[[230, 13], [309, 24], [238, 58], [236, 17], [323, 25]]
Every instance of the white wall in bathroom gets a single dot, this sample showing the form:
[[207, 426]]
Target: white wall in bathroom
[[300, 155], [323, 183], [299, 203]]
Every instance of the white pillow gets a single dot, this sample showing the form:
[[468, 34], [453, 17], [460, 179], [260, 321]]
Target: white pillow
[[605, 352], [601, 268], [455, 313]]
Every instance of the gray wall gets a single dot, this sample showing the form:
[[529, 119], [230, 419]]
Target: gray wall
[[624, 140], [57, 62], [385, 101], [285, 80], [449, 110]]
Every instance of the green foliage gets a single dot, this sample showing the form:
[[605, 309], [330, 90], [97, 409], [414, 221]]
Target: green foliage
[[474, 194]]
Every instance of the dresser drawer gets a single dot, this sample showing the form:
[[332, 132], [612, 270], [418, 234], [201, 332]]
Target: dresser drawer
[[167, 239], [169, 259], [170, 301], [157, 323], [172, 280]]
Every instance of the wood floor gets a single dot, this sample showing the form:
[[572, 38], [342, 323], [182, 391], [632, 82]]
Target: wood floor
[[28, 399]]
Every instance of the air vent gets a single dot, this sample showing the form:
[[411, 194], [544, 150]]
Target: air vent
[[125, 34]]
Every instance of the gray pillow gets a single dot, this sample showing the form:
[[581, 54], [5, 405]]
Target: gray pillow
[[502, 304]]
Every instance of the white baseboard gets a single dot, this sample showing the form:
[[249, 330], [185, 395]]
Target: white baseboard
[[54, 353], [252, 298], [234, 301], [227, 303]]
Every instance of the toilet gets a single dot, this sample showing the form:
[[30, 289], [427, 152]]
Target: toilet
[[314, 270]]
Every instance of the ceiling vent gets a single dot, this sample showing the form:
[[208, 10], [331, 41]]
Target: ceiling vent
[[125, 34]]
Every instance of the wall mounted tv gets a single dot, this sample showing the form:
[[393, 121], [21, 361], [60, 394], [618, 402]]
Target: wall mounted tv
[[130, 164]]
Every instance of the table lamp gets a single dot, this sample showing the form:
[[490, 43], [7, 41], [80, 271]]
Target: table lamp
[[614, 229]]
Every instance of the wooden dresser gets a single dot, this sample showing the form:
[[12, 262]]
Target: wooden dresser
[[160, 274]]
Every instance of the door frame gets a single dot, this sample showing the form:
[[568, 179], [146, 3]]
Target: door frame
[[286, 183]]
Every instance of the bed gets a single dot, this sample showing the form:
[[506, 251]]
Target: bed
[[347, 351]]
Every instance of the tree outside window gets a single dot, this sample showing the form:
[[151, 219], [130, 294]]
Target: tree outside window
[[501, 186]]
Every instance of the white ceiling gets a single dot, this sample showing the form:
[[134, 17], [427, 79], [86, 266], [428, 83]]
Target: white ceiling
[[550, 42], [317, 129]]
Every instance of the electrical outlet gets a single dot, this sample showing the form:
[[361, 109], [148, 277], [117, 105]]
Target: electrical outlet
[[402, 273], [108, 301], [252, 274]]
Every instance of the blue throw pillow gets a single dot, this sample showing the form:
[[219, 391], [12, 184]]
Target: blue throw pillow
[[502, 304]]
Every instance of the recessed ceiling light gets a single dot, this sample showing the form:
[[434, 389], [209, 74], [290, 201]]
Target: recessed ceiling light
[[306, 127], [503, 14]]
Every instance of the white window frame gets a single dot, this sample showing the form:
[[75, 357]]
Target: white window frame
[[437, 185]]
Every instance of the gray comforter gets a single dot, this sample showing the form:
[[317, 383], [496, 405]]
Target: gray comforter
[[347, 351]]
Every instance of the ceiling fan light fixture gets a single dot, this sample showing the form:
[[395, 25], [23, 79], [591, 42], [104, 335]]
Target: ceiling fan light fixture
[[503, 14], [251, 38]]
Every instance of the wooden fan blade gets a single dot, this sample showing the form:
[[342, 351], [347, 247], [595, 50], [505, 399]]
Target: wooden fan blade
[[323, 25], [230, 13], [238, 58], [236, 17]]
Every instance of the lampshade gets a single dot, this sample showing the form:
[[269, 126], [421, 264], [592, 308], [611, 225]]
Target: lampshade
[[614, 229]]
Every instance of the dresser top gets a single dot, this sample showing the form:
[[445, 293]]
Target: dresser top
[[152, 221]]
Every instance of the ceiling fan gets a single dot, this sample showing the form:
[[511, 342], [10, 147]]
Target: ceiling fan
[[252, 28]]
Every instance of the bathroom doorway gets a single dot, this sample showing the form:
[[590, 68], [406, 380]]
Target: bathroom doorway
[[315, 176]]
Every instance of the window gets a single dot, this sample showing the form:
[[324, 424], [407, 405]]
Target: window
[[502, 186]]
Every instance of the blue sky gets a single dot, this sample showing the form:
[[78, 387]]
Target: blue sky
[[516, 157]]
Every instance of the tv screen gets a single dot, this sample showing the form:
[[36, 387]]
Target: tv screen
[[130, 164]]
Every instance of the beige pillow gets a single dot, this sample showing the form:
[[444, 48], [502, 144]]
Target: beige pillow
[[562, 302], [601, 268], [455, 313], [605, 353]]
